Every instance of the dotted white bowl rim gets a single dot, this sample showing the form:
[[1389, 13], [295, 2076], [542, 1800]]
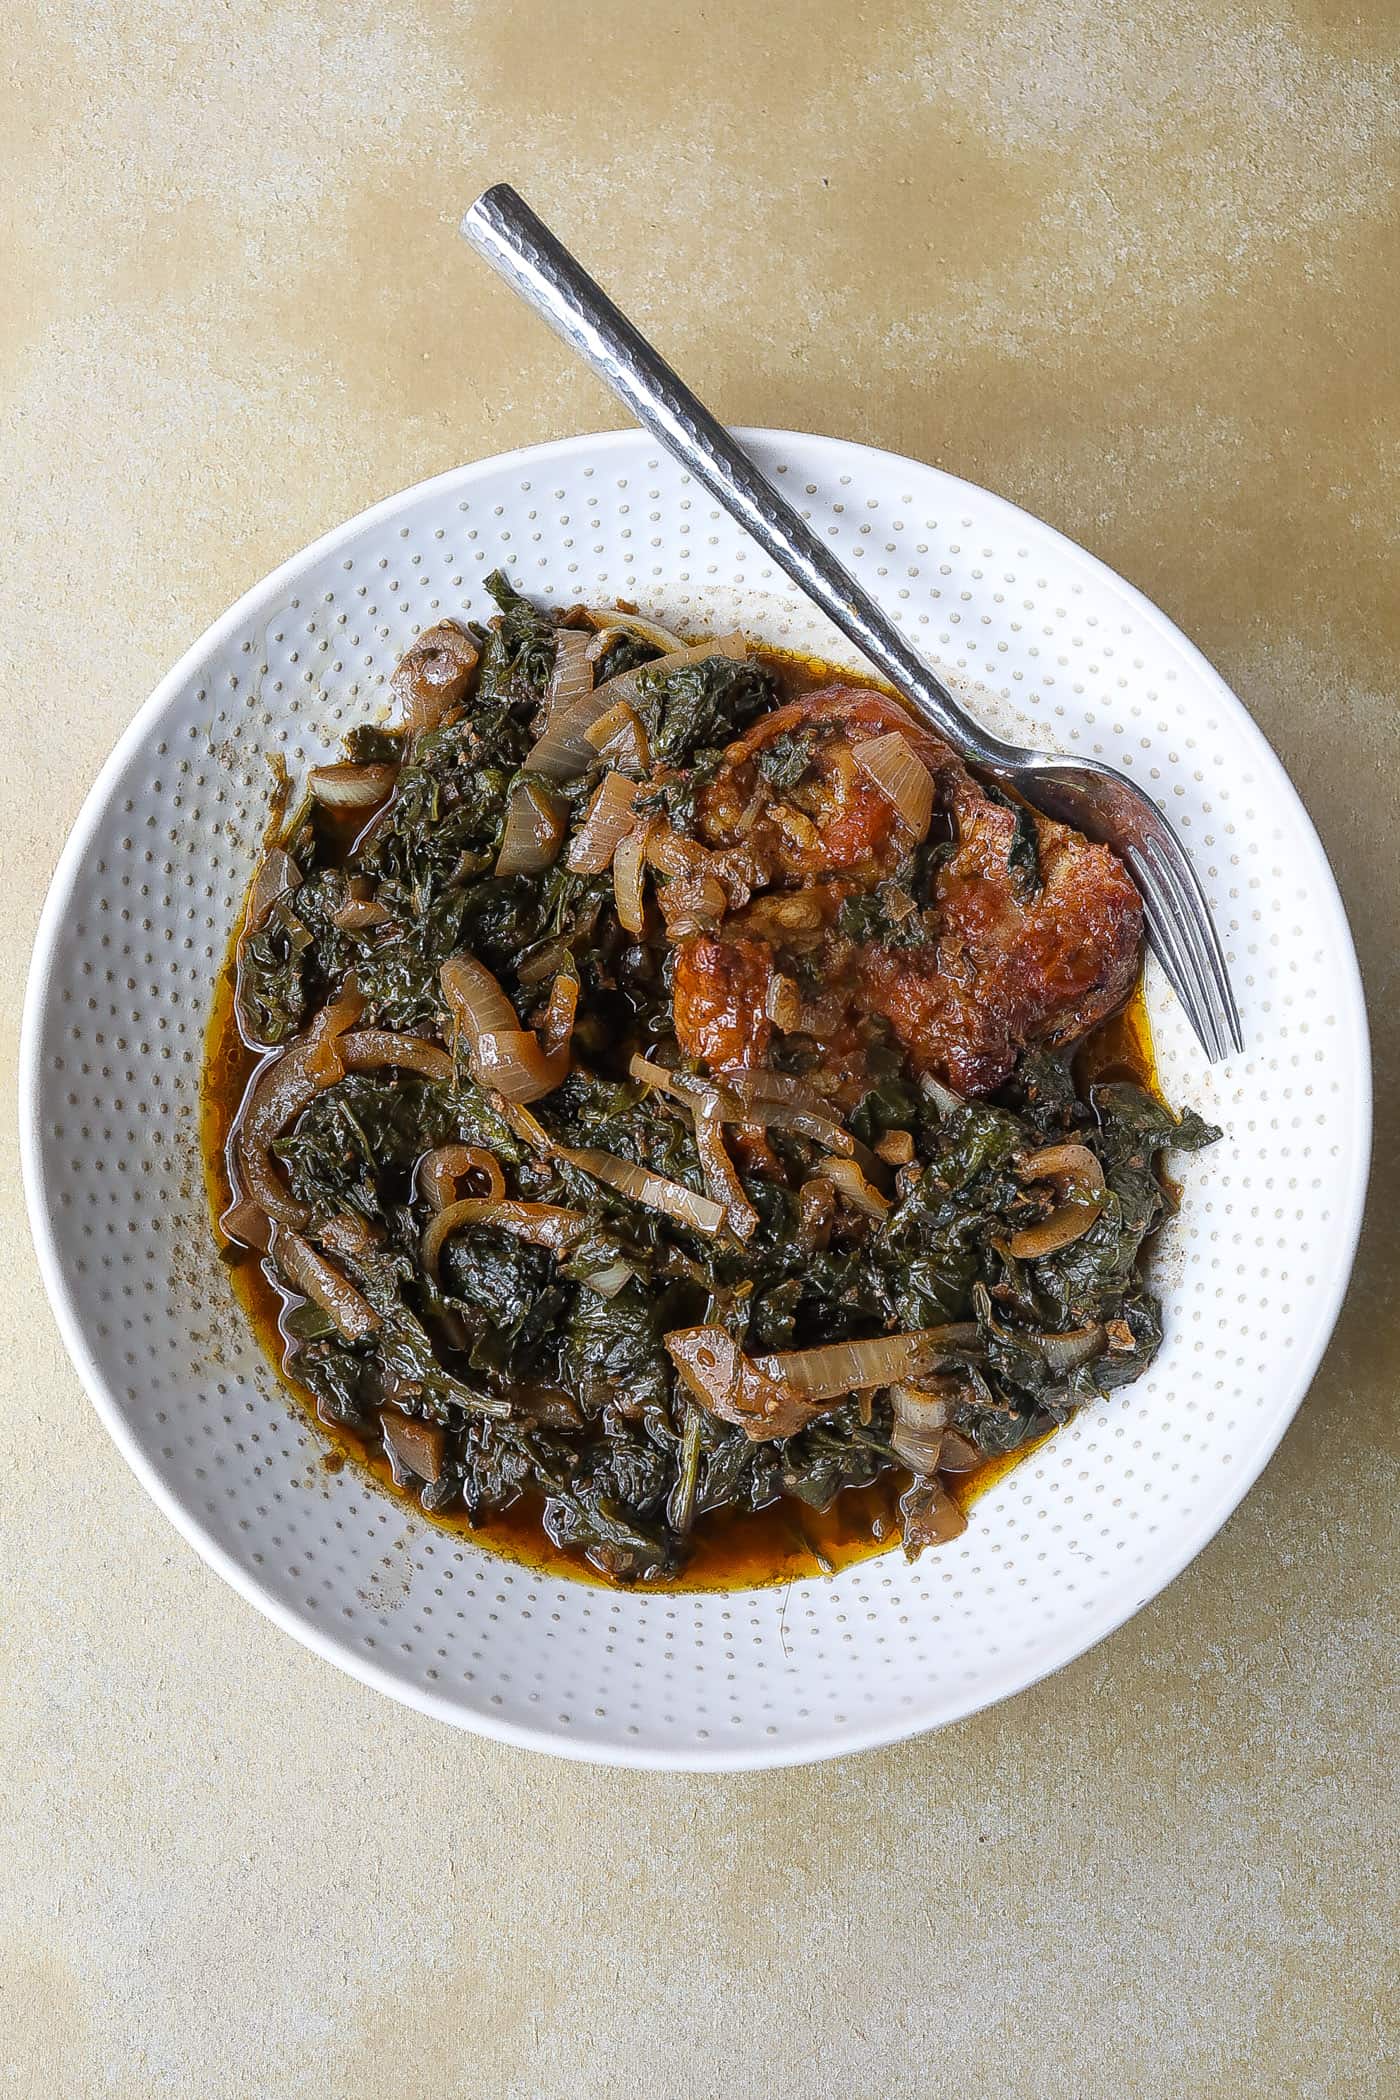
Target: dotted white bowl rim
[[883, 1650]]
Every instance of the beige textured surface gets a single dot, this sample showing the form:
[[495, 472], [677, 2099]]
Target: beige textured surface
[[1134, 267]]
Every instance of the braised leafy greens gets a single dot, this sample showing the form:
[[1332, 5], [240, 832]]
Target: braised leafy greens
[[531, 1339]]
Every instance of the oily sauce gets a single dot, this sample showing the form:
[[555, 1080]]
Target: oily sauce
[[730, 1550]]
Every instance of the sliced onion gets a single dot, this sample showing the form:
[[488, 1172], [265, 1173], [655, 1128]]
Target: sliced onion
[[277, 876], [1074, 1169], [348, 1234], [351, 787], [920, 1420], [369, 1049], [629, 865], [757, 1083], [920, 1452], [710, 1108], [942, 1097], [511, 1061], [309, 1272], [836, 1369], [608, 1281], [432, 676], [656, 1191], [440, 1171], [610, 624], [929, 1517], [899, 774], [282, 1089], [648, 1073], [244, 1221], [572, 706], [1066, 1352], [543, 1224], [526, 1125], [478, 1004], [618, 735], [548, 1405], [563, 750], [534, 830], [1061, 1229], [715, 1370], [688, 1087], [895, 1148], [611, 817], [325, 1038], [572, 677], [360, 915], [849, 1182], [786, 1115], [721, 1176], [746, 1096], [556, 1024], [415, 1450], [1075, 1172], [924, 1408], [504, 1056], [544, 961], [959, 1454], [361, 910], [776, 1396]]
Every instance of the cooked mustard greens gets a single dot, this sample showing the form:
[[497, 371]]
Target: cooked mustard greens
[[536, 1248]]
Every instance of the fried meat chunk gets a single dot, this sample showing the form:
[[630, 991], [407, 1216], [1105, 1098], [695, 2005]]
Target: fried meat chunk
[[1012, 930]]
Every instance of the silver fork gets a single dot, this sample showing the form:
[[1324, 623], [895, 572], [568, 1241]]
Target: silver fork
[[1078, 791]]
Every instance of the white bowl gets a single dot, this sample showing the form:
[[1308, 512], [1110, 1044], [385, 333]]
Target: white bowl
[[1046, 644]]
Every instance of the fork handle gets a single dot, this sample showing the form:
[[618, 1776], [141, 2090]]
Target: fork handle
[[517, 244]]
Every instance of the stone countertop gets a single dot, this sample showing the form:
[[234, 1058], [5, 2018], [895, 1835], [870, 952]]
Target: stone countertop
[[1134, 268]]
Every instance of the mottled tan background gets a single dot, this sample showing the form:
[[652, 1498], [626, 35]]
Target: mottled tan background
[[1135, 267]]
